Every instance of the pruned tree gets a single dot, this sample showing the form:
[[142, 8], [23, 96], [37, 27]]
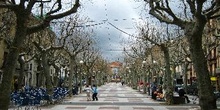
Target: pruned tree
[[138, 51], [193, 17], [79, 41], [23, 10], [101, 69], [89, 58], [153, 37], [46, 49]]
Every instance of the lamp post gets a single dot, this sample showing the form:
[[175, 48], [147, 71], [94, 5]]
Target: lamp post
[[99, 78], [145, 87], [133, 76], [81, 63], [155, 74]]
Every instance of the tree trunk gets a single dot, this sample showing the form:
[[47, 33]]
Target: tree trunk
[[168, 80], [46, 69], [185, 69], [56, 79], [21, 72], [194, 35], [145, 80], [11, 60], [70, 78], [41, 79]]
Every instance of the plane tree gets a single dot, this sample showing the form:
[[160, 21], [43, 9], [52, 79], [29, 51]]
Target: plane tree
[[138, 51], [79, 40], [45, 50], [193, 17], [23, 10], [151, 36], [101, 67], [89, 58]]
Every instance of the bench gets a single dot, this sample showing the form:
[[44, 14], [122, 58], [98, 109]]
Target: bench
[[178, 100]]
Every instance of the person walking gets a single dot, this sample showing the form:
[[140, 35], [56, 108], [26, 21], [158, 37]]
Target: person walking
[[88, 91], [95, 93], [122, 82]]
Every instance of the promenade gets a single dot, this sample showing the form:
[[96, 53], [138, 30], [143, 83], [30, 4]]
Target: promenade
[[114, 96]]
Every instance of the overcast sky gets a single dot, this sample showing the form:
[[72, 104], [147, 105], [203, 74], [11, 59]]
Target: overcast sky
[[109, 13]]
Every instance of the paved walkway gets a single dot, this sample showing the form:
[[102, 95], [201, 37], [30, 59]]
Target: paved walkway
[[114, 96]]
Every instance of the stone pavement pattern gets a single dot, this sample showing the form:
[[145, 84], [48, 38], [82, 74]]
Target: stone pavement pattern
[[114, 96]]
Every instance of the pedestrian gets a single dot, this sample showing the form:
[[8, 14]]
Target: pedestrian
[[153, 91], [122, 82], [182, 93], [75, 90], [88, 91], [95, 93]]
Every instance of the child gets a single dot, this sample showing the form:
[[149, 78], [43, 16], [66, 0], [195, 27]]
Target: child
[[88, 91], [95, 93]]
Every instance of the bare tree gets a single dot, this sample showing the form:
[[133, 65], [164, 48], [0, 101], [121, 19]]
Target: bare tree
[[139, 51], [46, 49], [23, 11], [101, 68], [79, 41], [196, 13], [89, 58], [154, 37]]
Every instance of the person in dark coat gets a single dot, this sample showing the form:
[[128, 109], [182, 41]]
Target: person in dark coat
[[153, 91], [122, 82], [182, 93]]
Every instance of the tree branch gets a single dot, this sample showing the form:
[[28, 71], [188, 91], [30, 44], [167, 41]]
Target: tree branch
[[30, 5], [46, 21], [164, 14], [192, 6], [9, 6], [210, 12], [56, 10]]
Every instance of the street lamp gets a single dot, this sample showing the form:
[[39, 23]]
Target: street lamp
[[99, 80], [144, 63], [155, 74], [81, 63]]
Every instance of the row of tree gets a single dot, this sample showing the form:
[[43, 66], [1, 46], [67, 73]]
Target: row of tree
[[182, 39], [29, 37]]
